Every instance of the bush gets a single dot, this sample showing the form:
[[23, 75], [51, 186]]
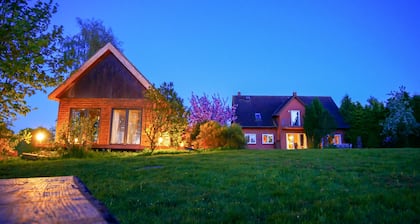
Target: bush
[[25, 147], [234, 137], [214, 136], [210, 136], [77, 152]]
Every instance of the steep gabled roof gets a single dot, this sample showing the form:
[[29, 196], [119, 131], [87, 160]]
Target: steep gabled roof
[[269, 106], [100, 55], [247, 106]]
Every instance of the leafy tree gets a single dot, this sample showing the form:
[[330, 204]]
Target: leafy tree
[[400, 122], [177, 118], [364, 121], [347, 109], [374, 115], [93, 36], [415, 102], [317, 123], [7, 143], [165, 114], [31, 57], [79, 133]]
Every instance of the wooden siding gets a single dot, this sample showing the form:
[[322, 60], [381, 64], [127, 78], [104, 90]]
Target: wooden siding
[[105, 105], [109, 78]]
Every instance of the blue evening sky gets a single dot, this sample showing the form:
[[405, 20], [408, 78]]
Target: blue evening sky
[[319, 48]]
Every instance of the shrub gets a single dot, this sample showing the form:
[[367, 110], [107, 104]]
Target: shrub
[[234, 137], [212, 135], [77, 151]]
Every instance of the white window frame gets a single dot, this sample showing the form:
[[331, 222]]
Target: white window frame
[[251, 138], [269, 138], [123, 130], [340, 139], [293, 117]]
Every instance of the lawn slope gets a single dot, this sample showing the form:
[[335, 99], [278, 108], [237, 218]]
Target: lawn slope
[[246, 186]]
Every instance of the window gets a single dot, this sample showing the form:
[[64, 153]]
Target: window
[[126, 126], [295, 118], [258, 117], [296, 141], [251, 139], [267, 139], [84, 124], [337, 139]]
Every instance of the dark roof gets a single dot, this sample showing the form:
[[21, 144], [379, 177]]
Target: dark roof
[[265, 105], [269, 106]]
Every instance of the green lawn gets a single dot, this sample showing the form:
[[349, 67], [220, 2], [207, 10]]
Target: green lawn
[[247, 186]]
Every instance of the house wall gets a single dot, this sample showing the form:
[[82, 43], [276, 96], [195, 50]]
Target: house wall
[[259, 132], [284, 120], [106, 105], [284, 117]]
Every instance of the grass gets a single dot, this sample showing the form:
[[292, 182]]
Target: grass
[[247, 186]]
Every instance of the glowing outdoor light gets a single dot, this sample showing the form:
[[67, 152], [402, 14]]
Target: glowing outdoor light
[[160, 140], [40, 136]]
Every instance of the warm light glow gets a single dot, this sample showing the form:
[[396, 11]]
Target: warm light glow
[[76, 140], [182, 144], [40, 136], [160, 140]]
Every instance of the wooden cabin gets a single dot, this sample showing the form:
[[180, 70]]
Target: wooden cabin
[[111, 90]]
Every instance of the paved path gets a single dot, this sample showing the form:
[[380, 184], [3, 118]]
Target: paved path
[[50, 200]]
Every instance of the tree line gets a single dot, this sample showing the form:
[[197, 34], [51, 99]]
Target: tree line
[[393, 123]]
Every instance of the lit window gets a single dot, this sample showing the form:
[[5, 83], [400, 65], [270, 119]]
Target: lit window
[[258, 117], [251, 139], [126, 126], [337, 139], [295, 118], [267, 139], [296, 141]]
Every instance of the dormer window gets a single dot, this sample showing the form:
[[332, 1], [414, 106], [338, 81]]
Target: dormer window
[[295, 118], [258, 117]]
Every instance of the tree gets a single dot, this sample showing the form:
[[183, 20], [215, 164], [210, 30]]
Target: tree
[[364, 121], [93, 36], [215, 108], [80, 132], [347, 109], [415, 102], [165, 114], [31, 57], [177, 118], [400, 122], [317, 123], [374, 115]]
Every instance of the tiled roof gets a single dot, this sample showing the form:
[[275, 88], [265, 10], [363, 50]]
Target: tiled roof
[[268, 106]]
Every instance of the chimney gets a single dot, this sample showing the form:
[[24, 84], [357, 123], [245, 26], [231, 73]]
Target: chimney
[[294, 94]]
